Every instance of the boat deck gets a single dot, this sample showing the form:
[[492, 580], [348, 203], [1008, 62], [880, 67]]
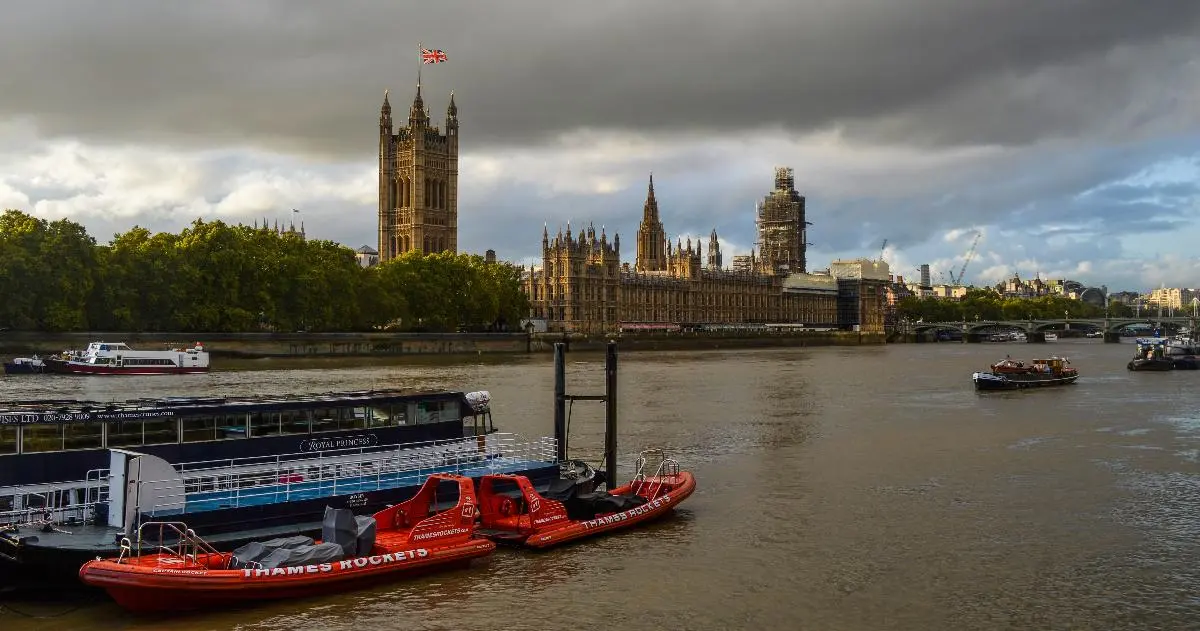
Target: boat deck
[[301, 490], [104, 540]]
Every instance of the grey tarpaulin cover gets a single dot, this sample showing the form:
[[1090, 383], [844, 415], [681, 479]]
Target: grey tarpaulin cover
[[365, 527], [340, 527], [256, 550], [304, 555]]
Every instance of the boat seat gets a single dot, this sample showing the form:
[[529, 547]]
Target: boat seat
[[589, 505]]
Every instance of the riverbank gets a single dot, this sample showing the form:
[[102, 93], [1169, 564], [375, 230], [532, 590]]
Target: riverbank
[[262, 345]]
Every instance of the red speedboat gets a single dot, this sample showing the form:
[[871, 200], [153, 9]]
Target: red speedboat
[[187, 573], [512, 511]]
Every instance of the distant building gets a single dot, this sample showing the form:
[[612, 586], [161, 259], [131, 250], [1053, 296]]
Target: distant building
[[582, 285], [489, 256], [289, 229], [367, 256]]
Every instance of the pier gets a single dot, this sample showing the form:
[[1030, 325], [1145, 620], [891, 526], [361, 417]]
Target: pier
[[609, 398]]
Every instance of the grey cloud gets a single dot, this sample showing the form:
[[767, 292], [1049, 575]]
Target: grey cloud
[[308, 76]]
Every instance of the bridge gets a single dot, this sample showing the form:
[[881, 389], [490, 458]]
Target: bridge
[[1035, 329]]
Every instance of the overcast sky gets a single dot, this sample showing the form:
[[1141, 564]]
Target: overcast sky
[[1065, 130]]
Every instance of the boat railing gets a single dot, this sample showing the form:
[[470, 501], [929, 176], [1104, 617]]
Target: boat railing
[[663, 466], [279, 460], [174, 540], [48, 505], [212, 489]]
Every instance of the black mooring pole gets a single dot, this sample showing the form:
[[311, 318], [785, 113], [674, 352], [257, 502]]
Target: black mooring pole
[[610, 416], [560, 401]]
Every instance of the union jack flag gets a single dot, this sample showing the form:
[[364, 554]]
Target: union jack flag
[[432, 56]]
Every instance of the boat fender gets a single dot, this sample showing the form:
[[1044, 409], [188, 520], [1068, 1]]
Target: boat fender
[[506, 507]]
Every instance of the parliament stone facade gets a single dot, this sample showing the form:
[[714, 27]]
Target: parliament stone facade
[[418, 182], [582, 285]]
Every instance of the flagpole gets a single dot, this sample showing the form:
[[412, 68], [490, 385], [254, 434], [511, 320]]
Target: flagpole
[[420, 63]]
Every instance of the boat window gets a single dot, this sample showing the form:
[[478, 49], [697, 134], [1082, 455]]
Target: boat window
[[7, 503], [198, 429], [388, 416], [8, 439], [83, 436], [325, 419], [264, 424], [124, 433], [353, 418], [161, 432], [437, 411], [293, 422], [41, 437], [232, 426]]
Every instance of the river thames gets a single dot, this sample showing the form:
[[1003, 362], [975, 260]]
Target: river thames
[[852, 489]]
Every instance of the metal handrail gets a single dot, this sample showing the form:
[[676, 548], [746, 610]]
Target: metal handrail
[[318, 473], [187, 545]]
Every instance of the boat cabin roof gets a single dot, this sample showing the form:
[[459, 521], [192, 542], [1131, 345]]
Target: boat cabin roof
[[108, 346], [76, 411]]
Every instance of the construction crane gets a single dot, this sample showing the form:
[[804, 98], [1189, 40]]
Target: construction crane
[[957, 281], [882, 249]]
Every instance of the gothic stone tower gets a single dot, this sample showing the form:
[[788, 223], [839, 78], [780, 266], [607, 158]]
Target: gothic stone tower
[[418, 182], [651, 238], [580, 281], [782, 230], [714, 251]]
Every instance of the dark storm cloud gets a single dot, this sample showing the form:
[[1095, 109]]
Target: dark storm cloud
[[308, 76]]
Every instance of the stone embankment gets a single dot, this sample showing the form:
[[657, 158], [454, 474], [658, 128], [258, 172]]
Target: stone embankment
[[257, 345]]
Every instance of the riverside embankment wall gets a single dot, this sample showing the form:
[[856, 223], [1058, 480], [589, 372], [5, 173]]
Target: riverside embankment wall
[[253, 345]]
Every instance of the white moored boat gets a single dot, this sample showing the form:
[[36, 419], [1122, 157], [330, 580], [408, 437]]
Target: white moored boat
[[108, 358]]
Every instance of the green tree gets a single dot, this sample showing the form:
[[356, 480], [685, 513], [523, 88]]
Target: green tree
[[216, 277]]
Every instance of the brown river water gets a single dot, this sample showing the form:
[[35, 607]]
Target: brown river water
[[839, 489]]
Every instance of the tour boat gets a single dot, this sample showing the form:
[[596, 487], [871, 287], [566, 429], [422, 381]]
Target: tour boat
[[186, 573], [105, 358], [25, 366], [512, 511], [1011, 375], [1152, 355]]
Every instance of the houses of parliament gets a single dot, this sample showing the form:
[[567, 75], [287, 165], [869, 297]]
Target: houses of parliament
[[583, 286], [418, 182]]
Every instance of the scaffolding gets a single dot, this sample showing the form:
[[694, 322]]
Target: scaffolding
[[782, 229]]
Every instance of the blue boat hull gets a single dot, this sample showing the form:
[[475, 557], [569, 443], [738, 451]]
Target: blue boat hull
[[21, 369]]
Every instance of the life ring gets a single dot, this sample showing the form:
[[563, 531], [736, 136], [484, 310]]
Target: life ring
[[506, 507]]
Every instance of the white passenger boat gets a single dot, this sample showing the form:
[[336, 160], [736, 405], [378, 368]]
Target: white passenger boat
[[108, 358]]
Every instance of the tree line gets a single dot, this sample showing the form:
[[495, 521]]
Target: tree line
[[986, 304], [215, 277]]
